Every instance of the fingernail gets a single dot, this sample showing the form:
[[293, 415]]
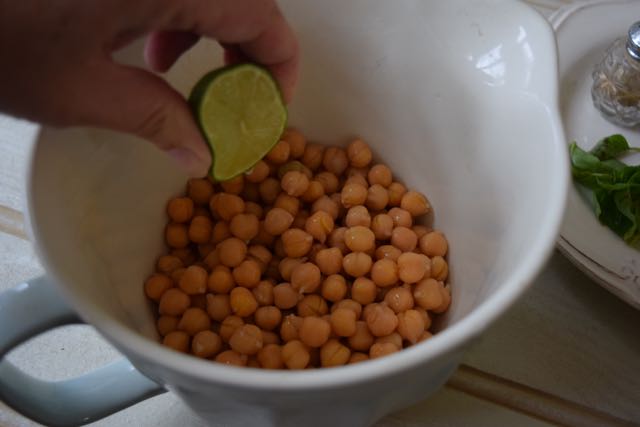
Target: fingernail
[[194, 165]]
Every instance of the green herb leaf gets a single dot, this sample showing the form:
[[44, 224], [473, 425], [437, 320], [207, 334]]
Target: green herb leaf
[[615, 185]]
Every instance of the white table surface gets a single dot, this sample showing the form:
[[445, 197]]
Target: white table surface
[[568, 353]]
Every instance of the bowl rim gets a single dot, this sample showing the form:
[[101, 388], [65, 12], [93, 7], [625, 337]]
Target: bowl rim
[[456, 336]]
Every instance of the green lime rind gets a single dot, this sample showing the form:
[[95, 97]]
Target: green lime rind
[[241, 114]]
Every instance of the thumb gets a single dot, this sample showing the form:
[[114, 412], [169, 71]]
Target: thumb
[[135, 101]]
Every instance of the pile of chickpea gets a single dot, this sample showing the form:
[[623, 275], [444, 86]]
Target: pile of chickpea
[[314, 258]]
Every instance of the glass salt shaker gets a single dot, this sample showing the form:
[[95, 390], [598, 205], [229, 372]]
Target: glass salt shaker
[[616, 80]]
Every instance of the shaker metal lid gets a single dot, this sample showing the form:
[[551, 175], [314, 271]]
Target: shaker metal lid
[[633, 41]]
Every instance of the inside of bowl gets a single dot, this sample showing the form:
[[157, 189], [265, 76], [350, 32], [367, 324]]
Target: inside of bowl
[[456, 97]]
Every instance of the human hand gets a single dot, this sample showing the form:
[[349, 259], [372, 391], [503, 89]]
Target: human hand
[[56, 65]]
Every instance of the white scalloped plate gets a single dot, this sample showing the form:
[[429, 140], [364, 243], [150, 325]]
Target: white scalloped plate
[[583, 32]]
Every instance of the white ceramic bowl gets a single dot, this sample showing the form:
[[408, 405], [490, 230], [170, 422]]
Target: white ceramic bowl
[[459, 98]]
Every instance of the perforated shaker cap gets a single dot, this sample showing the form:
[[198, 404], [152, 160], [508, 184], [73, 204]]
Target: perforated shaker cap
[[633, 41]]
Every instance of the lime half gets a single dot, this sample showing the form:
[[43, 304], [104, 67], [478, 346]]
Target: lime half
[[242, 115]]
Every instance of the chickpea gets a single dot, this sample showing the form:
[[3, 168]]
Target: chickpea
[[328, 181], [362, 339], [297, 142], [377, 197], [268, 317], [384, 273], [180, 209], [359, 153], [336, 239], [242, 301], [445, 292], [343, 322], [269, 190], [314, 192], [363, 290], [200, 190], [244, 226], [177, 340], [439, 268], [229, 326], [382, 349], [359, 239], [329, 260], [232, 251], [205, 249], [388, 252], [399, 299], [382, 226], [380, 174], [312, 156], [413, 267], [314, 331], [295, 354], [168, 263], [218, 307], [433, 244], [263, 293], [287, 265], [230, 357], [425, 317], [334, 288], [427, 294], [326, 204], [333, 353], [352, 305], [234, 185], [396, 191], [289, 327], [270, 337], [258, 173], [194, 280], [425, 336], [200, 229], [288, 203], [357, 180], [220, 232], [404, 239], [319, 225], [300, 220], [212, 260], [166, 324], [335, 160], [228, 205], [220, 280], [393, 338], [279, 154], [305, 277], [353, 194], [381, 320], [401, 217], [277, 221], [356, 264], [206, 344], [294, 183], [176, 235], [312, 305], [156, 286], [284, 296], [247, 274], [270, 357], [247, 339], [194, 320], [297, 243], [358, 215], [415, 203], [410, 325], [357, 357]]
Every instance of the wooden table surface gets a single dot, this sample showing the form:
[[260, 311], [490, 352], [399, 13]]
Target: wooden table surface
[[568, 353]]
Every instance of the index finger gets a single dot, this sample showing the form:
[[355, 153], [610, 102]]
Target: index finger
[[256, 27]]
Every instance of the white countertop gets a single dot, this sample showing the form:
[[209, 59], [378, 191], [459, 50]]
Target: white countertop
[[568, 353]]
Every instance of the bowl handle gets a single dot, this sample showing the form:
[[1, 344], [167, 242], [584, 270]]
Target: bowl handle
[[34, 307]]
